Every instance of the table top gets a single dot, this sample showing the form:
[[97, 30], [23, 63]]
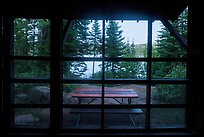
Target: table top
[[108, 93]]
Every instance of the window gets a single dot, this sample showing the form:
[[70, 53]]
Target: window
[[79, 79], [29, 85]]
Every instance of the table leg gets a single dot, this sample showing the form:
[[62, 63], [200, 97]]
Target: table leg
[[129, 101], [79, 99], [78, 119], [132, 120]]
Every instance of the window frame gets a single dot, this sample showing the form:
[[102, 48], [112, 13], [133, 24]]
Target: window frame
[[56, 79]]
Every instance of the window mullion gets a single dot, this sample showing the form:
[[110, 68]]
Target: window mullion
[[55, 72], [103, 73], [149, 63], [7, 69], [1, 94]]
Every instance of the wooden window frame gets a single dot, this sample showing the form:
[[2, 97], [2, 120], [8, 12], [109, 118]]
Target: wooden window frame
[[56, 79]]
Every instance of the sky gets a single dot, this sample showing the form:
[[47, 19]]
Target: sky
[[137, 31]]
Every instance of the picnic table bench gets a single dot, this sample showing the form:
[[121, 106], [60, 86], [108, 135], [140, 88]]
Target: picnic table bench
[[130, 111]]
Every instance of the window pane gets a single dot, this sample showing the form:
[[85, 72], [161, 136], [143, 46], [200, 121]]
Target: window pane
[[82, 69], [169, 70], [32, 117], [31, 68], [164, 44], [126, 70], [84, 39], [126, 118], [123, 39], [120, 94], [167, 117], [127, 39], [168, 94], [82, 93], [31, 37], [85, 118], [31, 93]]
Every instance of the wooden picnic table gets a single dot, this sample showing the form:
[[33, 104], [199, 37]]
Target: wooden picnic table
[[95, 93]]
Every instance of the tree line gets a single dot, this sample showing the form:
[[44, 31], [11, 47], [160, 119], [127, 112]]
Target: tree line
[[84, 39]]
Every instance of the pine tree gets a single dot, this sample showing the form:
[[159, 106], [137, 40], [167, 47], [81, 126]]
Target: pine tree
[[95, 42], [114, 40], [95, 39], [168, 47], [83, 36], [133, 69], [76, 45], [114, 47]]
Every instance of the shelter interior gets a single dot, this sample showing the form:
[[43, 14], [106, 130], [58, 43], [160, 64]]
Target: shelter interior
[[60, 16]]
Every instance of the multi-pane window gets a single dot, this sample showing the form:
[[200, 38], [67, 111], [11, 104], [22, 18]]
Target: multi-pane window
[[112, 74], [30, 65]]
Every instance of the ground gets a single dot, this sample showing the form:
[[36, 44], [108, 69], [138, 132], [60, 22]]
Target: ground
[[159, 116]]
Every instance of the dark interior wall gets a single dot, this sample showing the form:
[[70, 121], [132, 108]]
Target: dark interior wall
[[196, 72], [1, 104], [94, 9]]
